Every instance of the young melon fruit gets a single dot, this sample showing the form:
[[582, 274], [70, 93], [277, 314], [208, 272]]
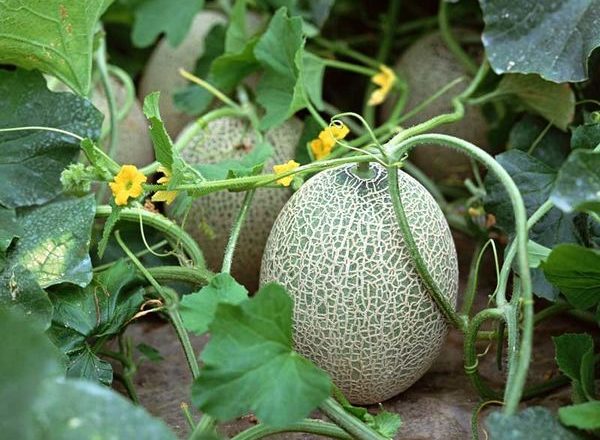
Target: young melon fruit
[[428, 66], [361, 311], [162, 71], [231, 138]]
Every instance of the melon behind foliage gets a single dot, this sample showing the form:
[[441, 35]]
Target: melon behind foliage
[[361, 311]]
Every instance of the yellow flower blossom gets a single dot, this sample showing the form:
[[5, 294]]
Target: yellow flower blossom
[[385, 79], [127, 183], [323, 145], [284, 168], [164, 196]]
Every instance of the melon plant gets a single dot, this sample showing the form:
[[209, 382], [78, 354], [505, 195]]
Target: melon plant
[[211, 217], [428, 66], [162, 70], [361, 311]]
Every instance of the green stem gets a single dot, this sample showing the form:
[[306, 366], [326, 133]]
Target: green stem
[[343, 65], [347, 421], [440, 299], [343, 49], [451, 42], [310, 426], [139, 254], [471, 290], [129, 386], [235, 231], [194, 276], [550, 311], [206, 425], [127, 83], [172, 231], [201, 123], [170, 300]]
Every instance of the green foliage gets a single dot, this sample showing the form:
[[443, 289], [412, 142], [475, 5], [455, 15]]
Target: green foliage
[[153, 17], [9, 228], [582, 416], [577, 186], [531, 423], [250, 164], [575, 270], [555, 102], [163, 145], [575, 358], [31, 161], [198, 309], [249, 364], [54, 36], [552, 39], [385, 423], [586, 135], [101, 309]]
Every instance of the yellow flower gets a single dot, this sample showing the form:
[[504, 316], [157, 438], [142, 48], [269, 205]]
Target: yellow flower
[[323, 145], [385, 79], [284, 168], [164, 196], [127, 183]]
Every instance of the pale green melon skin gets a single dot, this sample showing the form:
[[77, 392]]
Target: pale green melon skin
[[361, 311], [428, 66], [162, 70], [222, 140]]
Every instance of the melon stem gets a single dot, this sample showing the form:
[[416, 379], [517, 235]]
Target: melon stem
[[363, 170]]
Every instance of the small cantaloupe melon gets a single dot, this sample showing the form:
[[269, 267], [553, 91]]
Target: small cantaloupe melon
[[361, 311], [162, 70], [428, 66], [231, 138]]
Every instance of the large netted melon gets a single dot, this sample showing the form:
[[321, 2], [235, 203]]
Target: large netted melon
[[428, 66], [361, 311], [211, 216], [162, 70]]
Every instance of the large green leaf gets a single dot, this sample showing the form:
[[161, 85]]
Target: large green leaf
[[555, 102], [31, 161], [249, 364], [583, 416], [198, 309], [153, 17], [55, 248], [27, 359], [279, 51], [251, 163], [20, 290], [577, 187], [532, 423], [9, 228], [88, 365], [575, 358], [575, 270], [551, 38], [54, 36], [535, 179]]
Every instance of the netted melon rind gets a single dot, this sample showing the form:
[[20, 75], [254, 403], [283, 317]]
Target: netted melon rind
[[427, 66], [231, 138], [361, 311]]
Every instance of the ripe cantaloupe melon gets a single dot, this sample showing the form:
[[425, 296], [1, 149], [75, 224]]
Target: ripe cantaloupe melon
[[428, 66], [162, 70], [361, 311], [231, 138]]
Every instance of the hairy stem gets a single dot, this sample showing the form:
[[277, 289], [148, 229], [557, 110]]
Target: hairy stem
[[310, 426], [347, 421], [235, 231]]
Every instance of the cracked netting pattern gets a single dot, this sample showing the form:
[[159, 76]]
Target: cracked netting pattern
[[361, 311], [231, 138]]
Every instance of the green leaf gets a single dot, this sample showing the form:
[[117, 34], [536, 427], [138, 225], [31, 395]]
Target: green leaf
[[575, 270], [535, 180], [387, 424], [109, 225], [9, 228], [575, 358], [82, 410], [55, 248], [586, 136], [582, 416], [149, 352], [198, 309], [249, 364], [28, 357], [237, 34], [577, 187], [229, 69], [163, 145], [20, 290], [279, 51], [555, 102], [552, 39], [536, 253], [31, 161], [312, 71], [86, 364], [250, 164], [54, 36], [153, 17], [532, 423]]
